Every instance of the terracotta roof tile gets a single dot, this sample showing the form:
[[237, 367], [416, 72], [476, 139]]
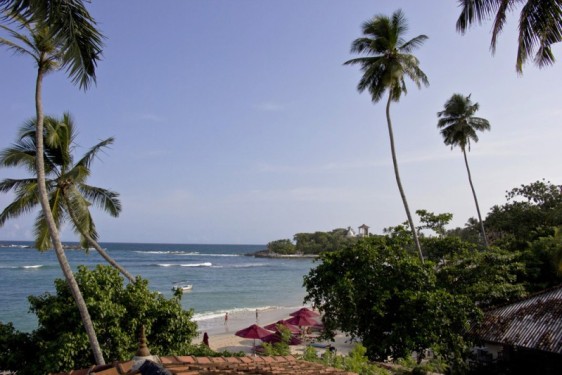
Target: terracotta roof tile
[[188, 365]]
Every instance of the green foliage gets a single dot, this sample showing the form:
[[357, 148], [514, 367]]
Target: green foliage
[[117, 311], [470, 232], [281, 247], [14, 348], [383, 295], [543, 261], [318, 242], [356, 361], [532, 211], [434, 222], [281, 347]]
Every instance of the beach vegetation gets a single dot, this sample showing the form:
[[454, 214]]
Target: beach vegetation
[[540, 25], [318, 242], [356, 361], [387, 61], [56, 34], [459, 128], [118, 312], [285, 247], [382, 295], [70, 197]]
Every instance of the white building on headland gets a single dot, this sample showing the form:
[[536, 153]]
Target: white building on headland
[[362, 231]]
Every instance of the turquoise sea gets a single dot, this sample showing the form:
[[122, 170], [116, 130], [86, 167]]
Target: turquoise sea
[[223, 278]]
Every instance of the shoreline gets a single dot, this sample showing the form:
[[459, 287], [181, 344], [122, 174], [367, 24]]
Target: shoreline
[[222, 336]]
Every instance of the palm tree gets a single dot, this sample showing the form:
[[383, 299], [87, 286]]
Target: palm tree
[[540, 25], [386, 64], [76, 47], [459, 127], [69, 195]]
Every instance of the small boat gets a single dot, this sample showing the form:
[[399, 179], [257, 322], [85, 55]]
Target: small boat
[[183, 286]]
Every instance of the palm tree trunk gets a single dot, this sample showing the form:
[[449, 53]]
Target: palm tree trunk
[[397, 174], [53, 231], [484, 238], [95, 244]]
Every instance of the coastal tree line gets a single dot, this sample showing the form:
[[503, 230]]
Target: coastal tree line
[[521, 246]]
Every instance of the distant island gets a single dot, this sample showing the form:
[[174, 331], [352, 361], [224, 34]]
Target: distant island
[[311, 245]]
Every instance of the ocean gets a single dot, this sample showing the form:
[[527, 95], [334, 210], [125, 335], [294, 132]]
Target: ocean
[[223, 278]]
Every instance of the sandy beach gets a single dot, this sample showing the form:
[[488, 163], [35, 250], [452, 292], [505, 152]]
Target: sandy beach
[[222, 337]]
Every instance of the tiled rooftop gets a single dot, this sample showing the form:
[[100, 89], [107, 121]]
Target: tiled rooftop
[[533, 323], [188, 365]]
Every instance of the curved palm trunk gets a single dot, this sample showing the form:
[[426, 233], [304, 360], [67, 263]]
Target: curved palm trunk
[[53, 231], [96, 245], [398, 182], [484, 238]]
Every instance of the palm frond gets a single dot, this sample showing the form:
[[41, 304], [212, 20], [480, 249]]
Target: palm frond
[[475, 11], [78, 210], [22, 154], [25, 201], [105, 199], [41, 233], [88, 157], [499, 22], [413, 43], [82, 42]]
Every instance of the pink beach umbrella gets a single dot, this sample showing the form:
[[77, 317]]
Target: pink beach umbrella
[[305, 311], [253, 332], [302, 321], [290, 327]]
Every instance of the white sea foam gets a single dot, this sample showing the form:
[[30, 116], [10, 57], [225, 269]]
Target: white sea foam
[[33, 266], [220, 313], [173, 252], [204, 264]]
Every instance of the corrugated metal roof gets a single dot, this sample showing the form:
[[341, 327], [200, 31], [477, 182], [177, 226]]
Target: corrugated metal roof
[[532, 323]]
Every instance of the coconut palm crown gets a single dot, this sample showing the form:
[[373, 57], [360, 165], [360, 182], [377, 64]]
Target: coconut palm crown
[[71, 28], [540, 25], [458, 124], [386, 63], [69, 195]]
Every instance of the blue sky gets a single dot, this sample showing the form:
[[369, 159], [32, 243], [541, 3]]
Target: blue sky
[[236, 122]]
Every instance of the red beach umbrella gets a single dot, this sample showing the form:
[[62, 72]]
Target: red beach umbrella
[[290, 327], [253, 332], [302, 321], [305, 311]]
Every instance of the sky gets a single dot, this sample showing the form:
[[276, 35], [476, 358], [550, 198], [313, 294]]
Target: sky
[[237, 122]]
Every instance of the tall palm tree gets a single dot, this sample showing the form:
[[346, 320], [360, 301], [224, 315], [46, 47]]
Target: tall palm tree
[[69, 195], [459, 127], [76, 47], [387, 63], [540, 25]]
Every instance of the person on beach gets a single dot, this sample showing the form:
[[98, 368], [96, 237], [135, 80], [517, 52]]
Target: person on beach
[[257, 318], [225, 318], [206, 339]]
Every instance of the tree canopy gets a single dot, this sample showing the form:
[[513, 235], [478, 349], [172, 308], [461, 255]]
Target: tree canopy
[[118, 312]]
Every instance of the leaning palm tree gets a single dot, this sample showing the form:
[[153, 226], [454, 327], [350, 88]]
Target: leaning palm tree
[[540, 25], [76, 47], [459, 127], [69, 195], [387, 62]]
